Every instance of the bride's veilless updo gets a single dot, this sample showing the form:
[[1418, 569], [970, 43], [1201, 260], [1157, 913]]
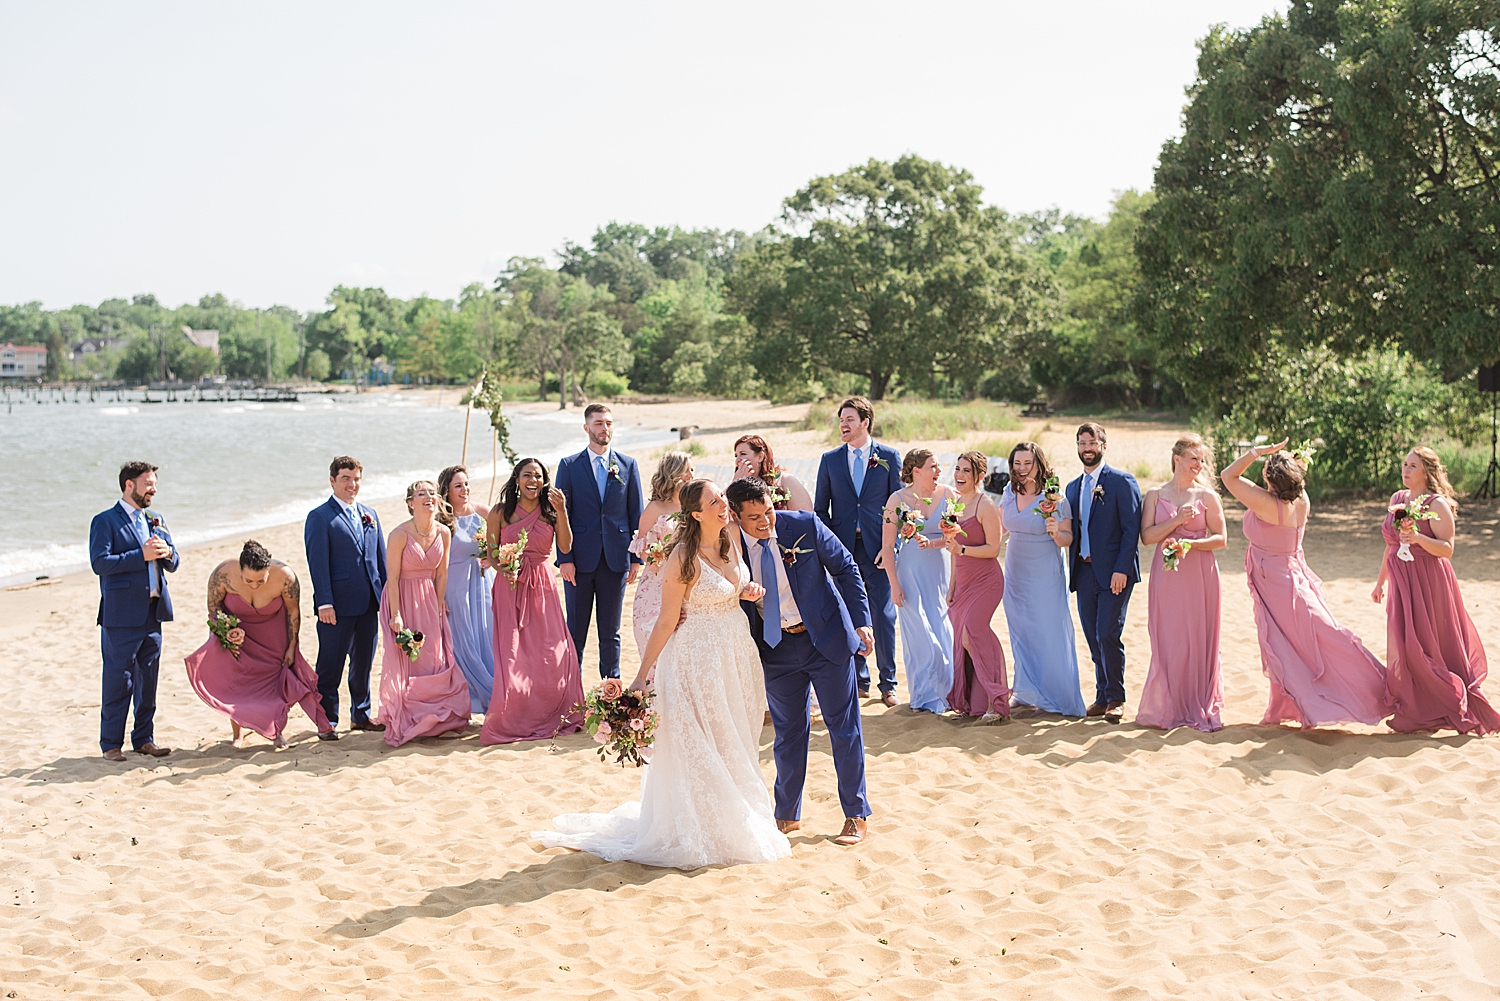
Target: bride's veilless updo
[[688, 535]]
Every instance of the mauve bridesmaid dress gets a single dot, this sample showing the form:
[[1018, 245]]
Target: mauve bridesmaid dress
[[1182, 617], [426, 696], [979, 672]]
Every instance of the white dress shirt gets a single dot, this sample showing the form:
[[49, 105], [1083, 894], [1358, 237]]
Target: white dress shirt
[[142, 528], [790, 616]]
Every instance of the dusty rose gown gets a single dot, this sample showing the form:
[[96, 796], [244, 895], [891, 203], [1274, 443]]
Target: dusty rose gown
[[1435, 662], [255, 691], [426, 696], [979, 684], [1182, 617], [1319, 671], [537, 679]]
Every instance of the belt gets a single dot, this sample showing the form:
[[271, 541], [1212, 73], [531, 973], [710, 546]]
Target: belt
[[1088, 559], [794, 630]]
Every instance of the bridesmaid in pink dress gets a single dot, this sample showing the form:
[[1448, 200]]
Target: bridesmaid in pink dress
[[1319, 671], [428, 696], [1436, 663], [537, 680], [1182, 616], [974, 592], [257, 688]]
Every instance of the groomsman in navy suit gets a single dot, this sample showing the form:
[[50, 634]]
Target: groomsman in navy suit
[[854, 482], [1104, 564], [132, 552], [346, 560], [603, 489]]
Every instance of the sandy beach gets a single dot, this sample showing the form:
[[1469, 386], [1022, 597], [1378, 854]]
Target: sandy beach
[[1041, 858]]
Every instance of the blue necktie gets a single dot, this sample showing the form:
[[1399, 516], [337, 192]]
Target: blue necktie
[[859, 470], [359, 535], [601, 473], [143, 529], [771, 624], [1085, 502]]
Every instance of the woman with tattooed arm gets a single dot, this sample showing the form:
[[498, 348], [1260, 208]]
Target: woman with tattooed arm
[[250, 669]]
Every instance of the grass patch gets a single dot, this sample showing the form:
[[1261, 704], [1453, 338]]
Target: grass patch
[[915, 420], [692, 447], [996, 446]]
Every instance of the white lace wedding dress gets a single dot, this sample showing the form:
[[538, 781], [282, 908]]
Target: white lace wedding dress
[[703, 799]]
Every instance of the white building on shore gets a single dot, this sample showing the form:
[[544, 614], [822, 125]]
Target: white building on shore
[[22, 361]]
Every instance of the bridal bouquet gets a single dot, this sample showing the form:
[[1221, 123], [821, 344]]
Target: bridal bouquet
[[508, 558], [909, 524], [949, 521], [1407, 516], [620, 721], [1051, 496], [220, 625], [655, 544], [410, 642], [1173, 553]]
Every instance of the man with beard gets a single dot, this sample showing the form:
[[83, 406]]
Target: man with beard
[[1104, 564], [132, 552]]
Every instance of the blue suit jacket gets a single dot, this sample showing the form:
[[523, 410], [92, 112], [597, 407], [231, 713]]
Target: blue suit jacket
[[825, 582], [838, 507], [601, 529], [342, 575], [124, 584], [1114, 529]]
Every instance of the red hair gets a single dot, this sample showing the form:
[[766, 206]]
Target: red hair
[[759, 446]]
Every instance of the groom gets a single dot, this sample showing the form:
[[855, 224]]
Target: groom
[[1104, 564], [812, 621]]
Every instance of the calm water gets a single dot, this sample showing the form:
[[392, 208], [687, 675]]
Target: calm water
[[230, 468]]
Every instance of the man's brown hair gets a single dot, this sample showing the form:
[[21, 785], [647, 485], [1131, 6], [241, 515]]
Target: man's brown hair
[[343, 462], [1092, 427], [132, 470], [860, 406]]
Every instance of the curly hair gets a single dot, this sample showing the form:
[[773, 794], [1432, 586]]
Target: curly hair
[[444, 483], [1437, 473], [254, 556], [689, 535], [510, 494], [667, 479]]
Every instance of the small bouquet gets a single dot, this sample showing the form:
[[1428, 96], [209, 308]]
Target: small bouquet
[[949, 521], [1051, 496], [655, 544], [909, 524], [619, 720], [781, 497], [1173, 553], [1406, 517], [220, 625], [1303, 454], [482, 544], [410, 642], [509, 558]]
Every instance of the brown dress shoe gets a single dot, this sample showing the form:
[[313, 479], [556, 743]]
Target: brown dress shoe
[[151, 749], [888, 699], [788, 826], [114, 754], [1114, 712], [365, 724], [853, 832], [1096, 710], [863, 693]]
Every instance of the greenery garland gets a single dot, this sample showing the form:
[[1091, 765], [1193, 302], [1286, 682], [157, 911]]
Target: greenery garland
[[487, 395]]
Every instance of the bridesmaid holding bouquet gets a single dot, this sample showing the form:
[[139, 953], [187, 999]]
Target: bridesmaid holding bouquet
[[672, 471], [972, 530], [422, 689], [468, 589], [1184, 520], [537, 681], [1435, 662], [918, 572]]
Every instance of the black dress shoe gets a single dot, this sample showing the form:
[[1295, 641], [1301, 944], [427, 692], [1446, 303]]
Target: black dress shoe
[[329, 734], [365, 724]]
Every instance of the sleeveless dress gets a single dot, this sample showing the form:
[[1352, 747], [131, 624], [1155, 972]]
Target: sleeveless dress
[[978, 673], [537, 679], [647, 603], [1038, 613], [1435, 662], [469, 616], [426, 696], [1183, 686], [703, 798], [254, 690], [926, 634], [1319, 671]]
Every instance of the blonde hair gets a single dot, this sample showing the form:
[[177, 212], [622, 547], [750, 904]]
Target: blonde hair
[[1189, 441], [1437, 473], [667, 479], [411, 493]]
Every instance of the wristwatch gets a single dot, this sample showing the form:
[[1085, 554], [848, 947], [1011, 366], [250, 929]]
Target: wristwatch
[[963, 550]]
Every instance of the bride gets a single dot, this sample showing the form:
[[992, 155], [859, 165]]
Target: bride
[[703, 799]]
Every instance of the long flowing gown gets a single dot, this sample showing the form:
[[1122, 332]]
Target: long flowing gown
[[469, 614], [426, 696], [1435, 662], [1319, 672], [1183, 686], [1037, 612], [537, 678], [647, 603], [978, 672], [254, 690], [926, 634], [703, 798]]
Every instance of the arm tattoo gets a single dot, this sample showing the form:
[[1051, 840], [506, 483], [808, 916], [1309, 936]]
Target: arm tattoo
[[291, 600], [218, 590]]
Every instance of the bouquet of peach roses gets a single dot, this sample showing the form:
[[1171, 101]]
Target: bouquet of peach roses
[[619, 720], [1051, 496], [509, 558]]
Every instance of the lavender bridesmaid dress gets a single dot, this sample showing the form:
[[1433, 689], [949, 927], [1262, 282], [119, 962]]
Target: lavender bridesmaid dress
[[426, 696], [1436, 663], [979, 672], [1319, 671], [537, 679], [1182, 617]]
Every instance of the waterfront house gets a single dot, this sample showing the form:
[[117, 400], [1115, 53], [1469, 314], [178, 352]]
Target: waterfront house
[[22, 361]]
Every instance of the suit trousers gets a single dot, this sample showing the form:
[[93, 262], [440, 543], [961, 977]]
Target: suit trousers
[[1102, 615], [351, 638], [606, 589], [883, 616], [132, 661], [791, 667]]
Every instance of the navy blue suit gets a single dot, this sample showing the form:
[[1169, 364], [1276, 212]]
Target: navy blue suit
[[1114, 534], [347, 568], [601, 557], [826, 584], [130, 621], [857, 522]]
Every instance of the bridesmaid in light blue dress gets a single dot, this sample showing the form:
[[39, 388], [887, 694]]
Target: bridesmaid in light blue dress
[[918, 571], [470, 610], [1044, 653]]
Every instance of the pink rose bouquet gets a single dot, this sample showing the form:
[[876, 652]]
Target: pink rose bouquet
[[620, 721], [655, 544]]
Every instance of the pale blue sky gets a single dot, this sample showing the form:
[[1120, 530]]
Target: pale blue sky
[[272, 150]]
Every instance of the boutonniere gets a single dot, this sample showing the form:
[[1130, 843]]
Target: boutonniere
[[789, 554], [614, 471], [153, 522], [1099, 492], [366, 520], [876, 460]]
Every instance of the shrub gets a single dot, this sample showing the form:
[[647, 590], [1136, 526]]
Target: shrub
[[317, 365]]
